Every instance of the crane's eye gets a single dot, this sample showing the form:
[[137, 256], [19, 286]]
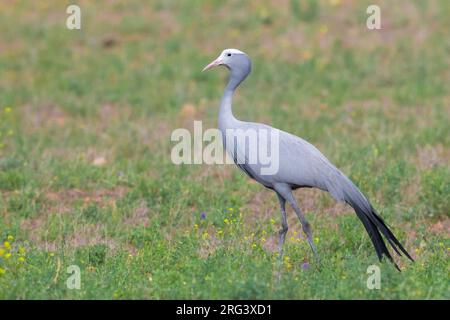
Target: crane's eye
[[228, 54]]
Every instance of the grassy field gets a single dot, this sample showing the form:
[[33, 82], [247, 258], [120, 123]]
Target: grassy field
[[85, 172]]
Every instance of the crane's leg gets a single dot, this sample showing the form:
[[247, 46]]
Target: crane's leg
[[286, 192], [284, 225]]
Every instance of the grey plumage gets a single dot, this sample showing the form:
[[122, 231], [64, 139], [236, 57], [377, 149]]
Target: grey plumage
[[300, 165]]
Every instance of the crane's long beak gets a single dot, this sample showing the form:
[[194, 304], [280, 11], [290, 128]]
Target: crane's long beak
[[213, 64]]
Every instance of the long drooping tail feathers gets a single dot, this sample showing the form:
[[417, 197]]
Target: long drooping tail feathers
[[374, 224]]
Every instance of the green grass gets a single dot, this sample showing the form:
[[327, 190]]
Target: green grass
[[85, 171]]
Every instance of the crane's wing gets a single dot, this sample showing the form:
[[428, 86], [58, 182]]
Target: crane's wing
[[299, 163], [302, 164]]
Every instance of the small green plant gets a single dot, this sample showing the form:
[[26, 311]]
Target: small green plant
[[306, 10], [6, 130], [97, 254], [435, 193]]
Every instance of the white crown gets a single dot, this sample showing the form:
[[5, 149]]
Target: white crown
[[231, 50]]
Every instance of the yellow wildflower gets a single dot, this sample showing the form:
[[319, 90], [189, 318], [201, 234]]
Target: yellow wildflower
[[2, 252], [8, 255], [21, 259], [335, 3], [226, 221], [323, 29], [272, 221], [10, 238], [2, 271], [316, 239], [287, 262], [8, 109], [306, 55], [22, 250], [7, 245]]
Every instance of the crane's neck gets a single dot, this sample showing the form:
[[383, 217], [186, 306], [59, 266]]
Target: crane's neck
[[225, 112], [226, 117]]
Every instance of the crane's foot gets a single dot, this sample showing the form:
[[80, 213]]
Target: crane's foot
[[278, 267], [314, 250]]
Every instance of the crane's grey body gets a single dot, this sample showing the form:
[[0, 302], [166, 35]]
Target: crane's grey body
[[300, 164]]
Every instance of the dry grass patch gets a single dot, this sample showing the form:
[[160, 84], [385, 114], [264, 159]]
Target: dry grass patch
[[139, 216], [62, 202], [429, 156], [36, 117], [101, 197], [82, 236], [441, 227]]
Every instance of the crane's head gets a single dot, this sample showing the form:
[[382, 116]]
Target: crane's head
[[235, 60]]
